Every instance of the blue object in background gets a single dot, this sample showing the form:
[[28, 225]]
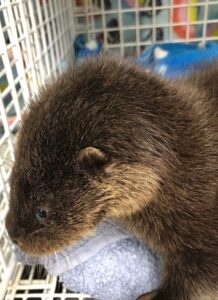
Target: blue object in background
[[170, 60], [173, 60], [82, 49]]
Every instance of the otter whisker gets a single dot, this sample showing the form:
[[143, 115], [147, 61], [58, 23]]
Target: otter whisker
[[83, 276], [65, 253], [56, 256], [42, 271], [37, 267], [58, 282], [26, 270]]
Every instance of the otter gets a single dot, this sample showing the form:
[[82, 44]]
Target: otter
[[108, 139]]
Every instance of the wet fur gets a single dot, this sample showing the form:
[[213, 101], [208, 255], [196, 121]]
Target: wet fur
[[108, 139]]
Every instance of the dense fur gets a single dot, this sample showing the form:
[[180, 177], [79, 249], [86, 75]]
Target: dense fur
[[108, 139]]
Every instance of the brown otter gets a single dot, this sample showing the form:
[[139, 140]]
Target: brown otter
[[108, 139]]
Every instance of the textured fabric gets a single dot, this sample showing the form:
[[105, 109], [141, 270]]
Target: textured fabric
[[110, 265], [121, 271]]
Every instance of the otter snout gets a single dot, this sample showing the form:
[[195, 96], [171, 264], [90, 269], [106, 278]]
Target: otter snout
[[13, 231]]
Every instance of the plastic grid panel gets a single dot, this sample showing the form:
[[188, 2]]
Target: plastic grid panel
[[142, 23], [36, 41], [32, 284]]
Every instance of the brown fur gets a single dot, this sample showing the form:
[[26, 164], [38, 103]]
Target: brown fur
[[108, 139]]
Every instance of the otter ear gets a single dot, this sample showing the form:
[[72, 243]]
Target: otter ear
[[92, 159]]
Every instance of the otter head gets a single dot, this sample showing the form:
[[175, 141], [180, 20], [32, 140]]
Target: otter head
[[87, 150]]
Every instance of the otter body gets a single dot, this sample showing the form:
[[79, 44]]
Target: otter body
[[108, 139]]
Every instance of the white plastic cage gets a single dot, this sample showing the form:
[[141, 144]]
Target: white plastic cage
[[36, 39]]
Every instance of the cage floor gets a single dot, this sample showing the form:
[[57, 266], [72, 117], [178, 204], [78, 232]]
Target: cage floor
[[33, 283]]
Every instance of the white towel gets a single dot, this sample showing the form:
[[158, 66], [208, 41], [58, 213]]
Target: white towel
[[110, 265]]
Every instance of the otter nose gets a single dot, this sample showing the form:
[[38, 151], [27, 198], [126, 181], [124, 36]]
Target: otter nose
[[14, 241], [12, 229]]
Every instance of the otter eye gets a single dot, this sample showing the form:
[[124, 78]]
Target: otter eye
[[41, 214]]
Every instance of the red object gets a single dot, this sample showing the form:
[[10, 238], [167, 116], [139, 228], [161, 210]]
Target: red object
[[180, 14]]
